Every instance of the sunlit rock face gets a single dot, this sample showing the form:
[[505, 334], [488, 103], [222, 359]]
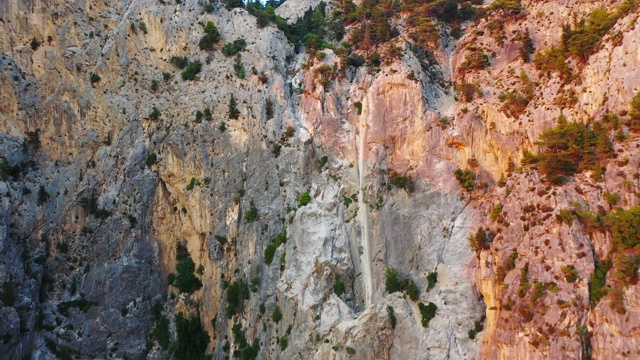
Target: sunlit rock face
[[111, 179]]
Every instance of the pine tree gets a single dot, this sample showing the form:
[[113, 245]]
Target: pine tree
[[234, 113], [527, 47]]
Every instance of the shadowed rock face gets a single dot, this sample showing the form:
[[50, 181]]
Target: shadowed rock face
[[96, 193]]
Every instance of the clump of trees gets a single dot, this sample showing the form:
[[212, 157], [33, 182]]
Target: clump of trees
[[393, 283], [210, 38], [571, 148]]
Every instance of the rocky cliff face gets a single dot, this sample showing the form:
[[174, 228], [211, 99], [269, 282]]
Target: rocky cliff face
[[110, 180]]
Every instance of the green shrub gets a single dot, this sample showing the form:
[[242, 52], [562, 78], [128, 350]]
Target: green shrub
[[208, 116], [552, 60], [233, 48], [210, 38], [233, 113], [565, 216], [270, 250], [477, 328], [392, 317], [142, 26], [571, 148], [237, 293], [81, 304], [154, 85], [43, 195], [191, 70], [245, 351], [161, 332], [634, 123], [611, 198], [597, 285], [393, 283], [358, 106], [432, 278], [151, 159], [276, 316], [186, 281], [480, 240], [305, 199], [180, 62], [283, 343], [469, 91], [166, 76], [251, 215], [570, 273], [238, 67], [191, 184], [495, 212], [528, 47], [154, 114], [403, 182], [339, 287], [95, 78], [268, 109], [35, 44], [428, 312], [624, 226], [466, 178], [476, 60], [192, 338], [350, 350]]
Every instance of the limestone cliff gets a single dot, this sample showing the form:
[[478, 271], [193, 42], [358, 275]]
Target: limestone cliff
[[295, 181]]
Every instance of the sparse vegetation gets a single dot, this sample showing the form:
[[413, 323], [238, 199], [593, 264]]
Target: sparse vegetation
[[270, 250], [210, 38], [339, 287], [305, 199], [233, 113], [237, 293], [190, 72], [393, 283], [466, 178], [428, 312], [186, 281], [404, 182], [192, 339], [233, 48]]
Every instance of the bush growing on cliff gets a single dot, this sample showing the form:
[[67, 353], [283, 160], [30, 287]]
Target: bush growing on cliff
[[403, 182], [210, 38], [237, 293], [233, 48], [251, 215], [180, 62], [428, 312], [270, 250], [571, 148], [233, 113], [154, 114], [634, 123], [339, 287], [480, 240], [276, 316], [191, 70], [393, 283], [186, 281], [466, 178], [597, 283], [305, 199], [33, 139], [192, 338]]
